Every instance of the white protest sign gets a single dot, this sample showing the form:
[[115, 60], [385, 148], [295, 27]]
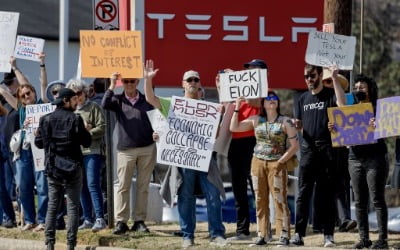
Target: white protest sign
[[8, 31], [246, 83], [327, 49], [189, 138], [158, 122], [33, 114], [28, 48]]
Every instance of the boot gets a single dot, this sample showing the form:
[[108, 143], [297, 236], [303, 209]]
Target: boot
[[50, 246]]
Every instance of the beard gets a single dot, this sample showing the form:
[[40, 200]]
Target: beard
[[314, 85], [192, 92]]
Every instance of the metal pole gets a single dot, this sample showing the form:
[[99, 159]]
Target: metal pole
[[64, 9], [361, 34], [109, 169]]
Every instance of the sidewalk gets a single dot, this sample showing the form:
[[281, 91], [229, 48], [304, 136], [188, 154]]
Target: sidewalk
[[18, 244]]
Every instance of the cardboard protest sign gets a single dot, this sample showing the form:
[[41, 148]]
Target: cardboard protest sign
[[33, 114], [28, 48], [8, 31], [387, 117], [104, 52], [158, 123], [327, 49], [189, 139], [246, 83], [352, 125]]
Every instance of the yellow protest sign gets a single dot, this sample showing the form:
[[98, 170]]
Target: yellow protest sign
[[351, 125], [104, 52]]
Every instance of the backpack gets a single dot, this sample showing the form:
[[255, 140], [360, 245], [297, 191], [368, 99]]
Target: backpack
[[60, 167]]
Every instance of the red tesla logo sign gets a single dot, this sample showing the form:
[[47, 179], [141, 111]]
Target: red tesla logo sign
[[210, 35]]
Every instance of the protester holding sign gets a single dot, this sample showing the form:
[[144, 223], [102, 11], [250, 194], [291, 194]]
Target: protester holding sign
[[369, 168], [26, 176], [93, 157], [317, 164], [210, 182], [136, 150], [268, 166]]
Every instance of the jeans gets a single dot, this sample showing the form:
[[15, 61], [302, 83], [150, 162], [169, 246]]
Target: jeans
[[92, 196], [239, 157], [7, 210], [368, 178], [316, 167], [26, 177], [187, 204], [73, 190]]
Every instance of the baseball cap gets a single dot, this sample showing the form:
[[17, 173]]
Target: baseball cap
[[64, 93], [8, 78], [190, 73], [256, 63]]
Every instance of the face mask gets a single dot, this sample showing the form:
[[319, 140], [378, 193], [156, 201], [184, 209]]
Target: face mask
[[360, 96]]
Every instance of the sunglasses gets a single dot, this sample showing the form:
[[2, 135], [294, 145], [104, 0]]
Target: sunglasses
[[26, 94], [312, 76], [272, 98], [54, 92], [129, 81], [193, 79], [79, 93]]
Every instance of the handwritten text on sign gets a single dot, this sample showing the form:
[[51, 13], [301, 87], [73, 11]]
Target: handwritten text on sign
[[190, 136], [8, 31], [352, 125], [105, 52], [327, 49], [33, 114], [28, 48], [246, 83], [387, 117]]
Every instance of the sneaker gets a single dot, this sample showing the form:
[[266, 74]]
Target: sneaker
[[348, 226], [219, 241], [297, 240], [9, 224], [186, 243], [120, 228], [283, 241], [85, 225], [39, 228], [239, 237], [260, 241], [28, 227], [99, 225], [363, 243], [380, 244], [139, 226], [328, 241]]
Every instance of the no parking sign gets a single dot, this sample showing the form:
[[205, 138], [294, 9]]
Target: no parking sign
[[105, 14]]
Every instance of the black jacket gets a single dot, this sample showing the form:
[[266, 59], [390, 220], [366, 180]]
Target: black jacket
[[66, 131]]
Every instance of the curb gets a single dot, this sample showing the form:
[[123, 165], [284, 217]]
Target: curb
[[19, 244]]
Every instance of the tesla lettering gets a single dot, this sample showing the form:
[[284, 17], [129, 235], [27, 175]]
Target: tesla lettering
[[228, 26]]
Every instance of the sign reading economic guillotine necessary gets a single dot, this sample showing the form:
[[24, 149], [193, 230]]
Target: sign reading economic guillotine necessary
[[8, 31], [327, 49], [33, 114], [104, 52], [246, 83], [351, 125], [189, 138], [387, 117], [28, 48]]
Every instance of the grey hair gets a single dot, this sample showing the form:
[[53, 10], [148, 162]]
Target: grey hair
[[78, 85]]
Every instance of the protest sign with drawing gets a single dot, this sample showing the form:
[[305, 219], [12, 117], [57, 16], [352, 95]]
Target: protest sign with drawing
[[28, 48], [33, 114], [8, 31], [246, 83], [327, 49], [387, 117], [352, 125], [105, 52], [189, 138]]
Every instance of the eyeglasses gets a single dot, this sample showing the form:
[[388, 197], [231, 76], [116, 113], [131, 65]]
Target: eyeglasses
[[193, 79], [26, 94], [129, 81], [272, 98], [312, 76]]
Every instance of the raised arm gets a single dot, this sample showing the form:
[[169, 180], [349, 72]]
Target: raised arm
[[5, 92], [339, 92], [245, 125], [149, 72], [43, 78], [20, 76]]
